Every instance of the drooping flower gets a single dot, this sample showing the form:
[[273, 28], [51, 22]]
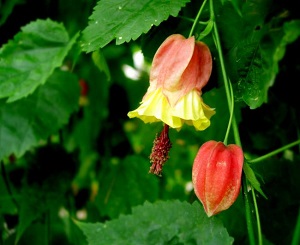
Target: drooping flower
[[216, 175], [181, 68]]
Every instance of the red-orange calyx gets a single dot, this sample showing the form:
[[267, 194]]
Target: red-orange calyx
[[216, 175]]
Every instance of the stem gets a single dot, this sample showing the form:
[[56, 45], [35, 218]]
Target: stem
[[197, 18], [235, 130], [257, 217], [231, 115], [230, 101], [248, 213], [296, 236], [228, 90], [272, 153]]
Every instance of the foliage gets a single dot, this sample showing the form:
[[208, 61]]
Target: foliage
[[170, 222], [74, 167]]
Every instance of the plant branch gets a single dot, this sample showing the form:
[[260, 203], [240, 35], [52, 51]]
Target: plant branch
[[197, 18], [275, 152]]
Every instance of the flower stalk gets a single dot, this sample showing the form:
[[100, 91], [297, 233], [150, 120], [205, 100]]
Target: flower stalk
[[229, 97]]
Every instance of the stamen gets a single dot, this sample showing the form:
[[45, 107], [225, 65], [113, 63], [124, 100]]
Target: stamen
[[160, 151]]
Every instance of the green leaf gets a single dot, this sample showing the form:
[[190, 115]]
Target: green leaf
[[30, 58], [170, 222], [253, 80], [274, 50], [125, 183], [250, 175], [25, 122], [125, 20], [100, 62]]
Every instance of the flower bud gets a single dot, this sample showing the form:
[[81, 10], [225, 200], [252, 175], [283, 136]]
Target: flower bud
[[216, 175]]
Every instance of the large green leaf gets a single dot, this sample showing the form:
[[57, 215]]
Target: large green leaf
[[25, 122], [30, 58], [125, 20], [170, 222]]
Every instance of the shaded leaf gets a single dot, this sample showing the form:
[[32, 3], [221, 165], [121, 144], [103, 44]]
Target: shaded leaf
[[125, 183], [252, 75], [125, 20], [100, 62], [30, 58], [170, 222], [25, 122], [7, 206], [275, 47], [91, 115], [48, 178]]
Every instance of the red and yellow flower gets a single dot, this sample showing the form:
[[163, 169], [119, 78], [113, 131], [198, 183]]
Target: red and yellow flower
[[181, 68]]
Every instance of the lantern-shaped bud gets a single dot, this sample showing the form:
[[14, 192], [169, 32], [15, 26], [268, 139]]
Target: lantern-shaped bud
[[216, 175]]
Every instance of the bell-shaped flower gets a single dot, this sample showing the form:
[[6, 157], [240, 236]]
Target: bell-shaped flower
[[181, 68], [216, 175]]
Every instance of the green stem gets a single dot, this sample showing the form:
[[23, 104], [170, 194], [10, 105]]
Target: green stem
[[231, 115], [257, 217], [261, 158], [197, 18], [235, 130], [230, 101], [229, 93], [248, 213], [296, 236]]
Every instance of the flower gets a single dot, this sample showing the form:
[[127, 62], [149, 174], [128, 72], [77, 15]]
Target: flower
[[216, 175], [181, 68]]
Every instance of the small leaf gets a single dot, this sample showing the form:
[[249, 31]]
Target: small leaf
[[170, 222], [250, 175], [207, 30], [30, 58], [100, 62], [125, 20], [25, 122]]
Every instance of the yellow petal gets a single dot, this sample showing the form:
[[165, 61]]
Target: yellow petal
[[190, 109]]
